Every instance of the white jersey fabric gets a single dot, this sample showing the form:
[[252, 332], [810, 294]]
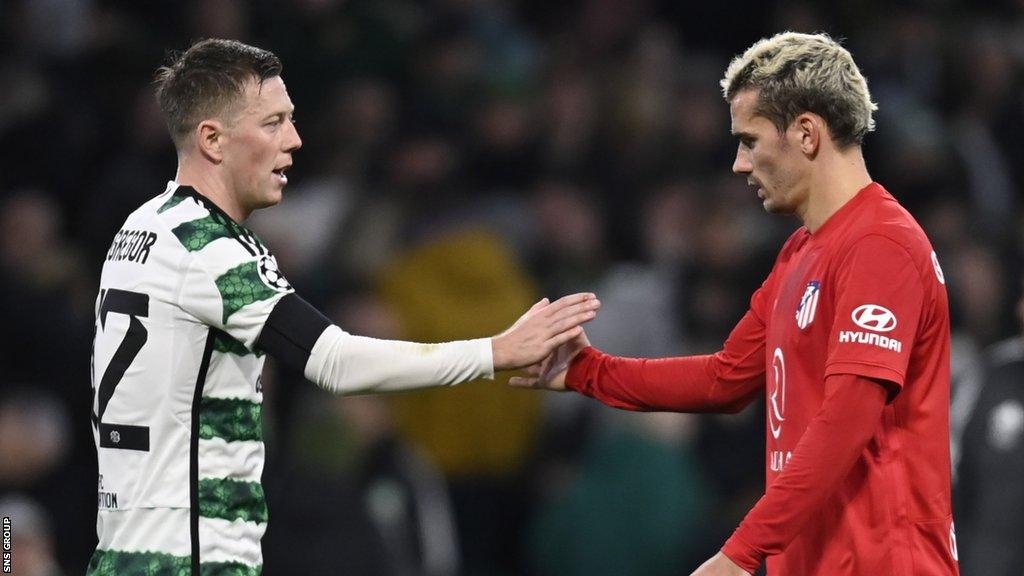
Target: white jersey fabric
[[184, 294]]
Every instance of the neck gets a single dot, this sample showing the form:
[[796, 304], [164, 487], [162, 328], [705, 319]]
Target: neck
[[207, 183], [832, 184]]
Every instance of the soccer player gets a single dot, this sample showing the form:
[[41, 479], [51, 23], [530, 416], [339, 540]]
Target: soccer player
[[848, 337], [191, 301]]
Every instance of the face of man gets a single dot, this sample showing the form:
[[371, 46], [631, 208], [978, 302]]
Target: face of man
[[771, 161], [258, 145]]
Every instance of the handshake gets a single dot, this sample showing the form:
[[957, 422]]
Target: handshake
[[545, 340]]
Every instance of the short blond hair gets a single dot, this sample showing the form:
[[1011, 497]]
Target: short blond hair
[[796, 73]]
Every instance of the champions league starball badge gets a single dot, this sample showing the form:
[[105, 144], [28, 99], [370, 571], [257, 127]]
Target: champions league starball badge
[[271, 276]]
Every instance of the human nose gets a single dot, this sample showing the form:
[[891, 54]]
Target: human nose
[[742, 163], [292, 142]]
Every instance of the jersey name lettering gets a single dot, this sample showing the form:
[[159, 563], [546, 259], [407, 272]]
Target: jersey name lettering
[[131, 245]]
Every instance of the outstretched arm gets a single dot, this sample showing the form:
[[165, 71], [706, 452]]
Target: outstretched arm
[[301, 337], [723, 382]]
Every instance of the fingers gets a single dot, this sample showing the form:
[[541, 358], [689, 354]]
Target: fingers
[[590, 304], [568, 322], [523, 382], [540, 304], [563, 337], [570, 300]]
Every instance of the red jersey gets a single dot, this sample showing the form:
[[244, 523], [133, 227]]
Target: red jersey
[[863, 296]]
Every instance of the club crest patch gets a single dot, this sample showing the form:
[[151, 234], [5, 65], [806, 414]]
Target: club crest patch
[[808, 304]]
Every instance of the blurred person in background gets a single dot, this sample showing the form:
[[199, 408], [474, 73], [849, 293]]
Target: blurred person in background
[[990, 499], [32, 549], [191, 301], [44, 403], [848, 337]]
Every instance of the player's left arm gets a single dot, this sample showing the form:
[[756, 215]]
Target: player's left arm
[[879, 304], [836, 437], [299, 336]]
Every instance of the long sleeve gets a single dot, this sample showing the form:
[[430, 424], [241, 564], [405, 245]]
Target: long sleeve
[[348, 364], [723, 382], [300, 337], [835, 438]]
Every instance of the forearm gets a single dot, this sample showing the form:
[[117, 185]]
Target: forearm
[[682, 384], [723, 382], [824, 456], [347, 364]]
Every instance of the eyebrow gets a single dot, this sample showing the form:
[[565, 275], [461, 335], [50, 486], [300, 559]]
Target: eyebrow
[[742, 134], [288, 112]]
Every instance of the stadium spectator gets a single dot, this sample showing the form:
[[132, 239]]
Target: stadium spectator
[[990, 504]]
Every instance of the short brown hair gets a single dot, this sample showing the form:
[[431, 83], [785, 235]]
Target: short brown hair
[[796, 73], [206, 80]]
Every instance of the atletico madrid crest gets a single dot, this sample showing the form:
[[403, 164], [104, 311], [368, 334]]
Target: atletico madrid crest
[[808, 304]]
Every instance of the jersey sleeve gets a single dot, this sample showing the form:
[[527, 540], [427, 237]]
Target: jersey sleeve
[[723, 382], [877, 310], [822, 459], [233, 290]]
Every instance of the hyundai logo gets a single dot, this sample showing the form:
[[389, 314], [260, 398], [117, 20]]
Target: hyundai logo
[[872, 317]]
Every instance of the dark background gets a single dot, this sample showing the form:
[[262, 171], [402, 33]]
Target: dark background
[[461, 159]]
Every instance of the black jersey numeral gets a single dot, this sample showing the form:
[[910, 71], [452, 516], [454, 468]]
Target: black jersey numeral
[[135, 305]]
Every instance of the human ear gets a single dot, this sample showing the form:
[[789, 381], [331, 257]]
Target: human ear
[[210, 138], [809, 128]]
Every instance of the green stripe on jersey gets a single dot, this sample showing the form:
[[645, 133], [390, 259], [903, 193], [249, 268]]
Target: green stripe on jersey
[[242, 286], [197, 234], [114, 563], [232, 419], [232, 500], [173, 201], [225, 344]]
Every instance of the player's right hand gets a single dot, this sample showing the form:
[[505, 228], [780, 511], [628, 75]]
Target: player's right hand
[[549, 374], [542, 329]]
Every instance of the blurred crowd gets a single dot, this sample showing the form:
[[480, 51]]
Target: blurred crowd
[[461, 159]]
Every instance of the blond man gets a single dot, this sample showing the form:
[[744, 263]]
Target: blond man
[[847, 338]]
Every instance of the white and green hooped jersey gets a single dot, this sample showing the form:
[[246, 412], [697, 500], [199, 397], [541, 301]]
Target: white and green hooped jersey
[[184, 295]]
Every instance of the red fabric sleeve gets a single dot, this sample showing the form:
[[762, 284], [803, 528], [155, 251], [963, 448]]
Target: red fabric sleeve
[[723, 382], [877, 312], [839, 433]]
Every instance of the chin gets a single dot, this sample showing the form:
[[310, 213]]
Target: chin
[[272, 199], [775, 207]]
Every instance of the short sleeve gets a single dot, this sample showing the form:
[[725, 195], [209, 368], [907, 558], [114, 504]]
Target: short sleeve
[[879, 297], [233, 290]]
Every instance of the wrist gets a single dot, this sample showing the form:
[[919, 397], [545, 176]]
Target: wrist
[[499, 359], [577, 370], [742, 554]]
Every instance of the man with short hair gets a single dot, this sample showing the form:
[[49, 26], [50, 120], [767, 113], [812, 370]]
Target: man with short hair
[[190, 302], [848, 337]]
